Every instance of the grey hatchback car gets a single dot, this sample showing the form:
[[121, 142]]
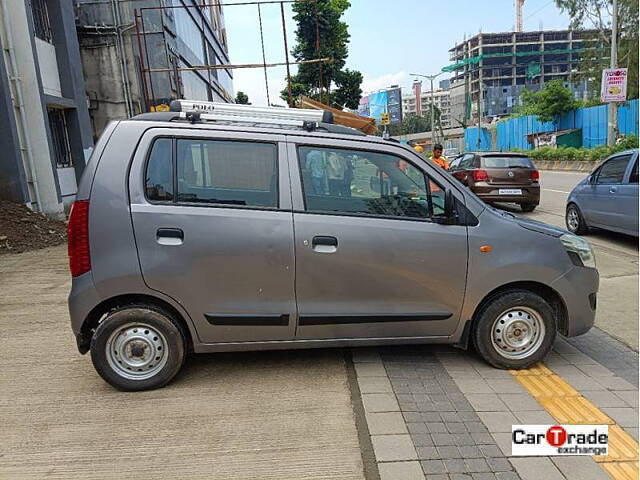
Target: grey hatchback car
[[607, 198], [229, 228]]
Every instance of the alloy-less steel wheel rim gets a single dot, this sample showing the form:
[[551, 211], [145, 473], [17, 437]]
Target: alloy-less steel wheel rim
[[517, 333], [573, 220], [136, 351]]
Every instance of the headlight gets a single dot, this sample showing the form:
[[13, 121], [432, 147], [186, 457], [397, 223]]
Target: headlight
[[579, 250]]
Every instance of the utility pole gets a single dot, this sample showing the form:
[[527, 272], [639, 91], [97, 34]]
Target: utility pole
[[431, 78], [479, 141], [613, 107]]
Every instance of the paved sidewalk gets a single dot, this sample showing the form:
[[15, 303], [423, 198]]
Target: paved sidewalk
[[440, 413]]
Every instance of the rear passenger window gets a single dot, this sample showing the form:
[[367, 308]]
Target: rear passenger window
[[159, 179], [227, 172]]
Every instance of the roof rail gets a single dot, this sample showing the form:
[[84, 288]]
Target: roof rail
[[244, 112], [196, 111]]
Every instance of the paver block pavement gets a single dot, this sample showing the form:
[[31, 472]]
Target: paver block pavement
[[385, 423], [535, 468], [486, 402], [370, 370], [498, 422], [380, 402], [393, 448], [582, 467], [400, 471], [374, 385], [626, 417]]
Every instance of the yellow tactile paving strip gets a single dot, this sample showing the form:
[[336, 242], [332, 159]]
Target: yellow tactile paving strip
[[567, 406]]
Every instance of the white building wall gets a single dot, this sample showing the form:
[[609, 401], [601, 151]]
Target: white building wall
[[48, 64], [39, 168]]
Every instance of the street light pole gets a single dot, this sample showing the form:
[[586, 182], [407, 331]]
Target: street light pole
[[431, 78], [613, 107]]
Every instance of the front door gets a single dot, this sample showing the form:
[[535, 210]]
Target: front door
[[214, 231], [605, 205], [370, 262]]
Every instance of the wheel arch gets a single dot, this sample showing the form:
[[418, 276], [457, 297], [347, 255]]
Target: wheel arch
[[97, 314], [551, 296]]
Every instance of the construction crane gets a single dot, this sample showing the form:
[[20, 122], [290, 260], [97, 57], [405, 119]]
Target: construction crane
[[519, 5]]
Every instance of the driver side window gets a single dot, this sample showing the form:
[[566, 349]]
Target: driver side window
[[369, 183]]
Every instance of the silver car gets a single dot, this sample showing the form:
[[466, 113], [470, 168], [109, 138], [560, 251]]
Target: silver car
[[607, 198], [193, 232]]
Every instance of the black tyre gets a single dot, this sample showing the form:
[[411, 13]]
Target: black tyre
[[515, 329], [575, 221], [138, 347], [528, 207]]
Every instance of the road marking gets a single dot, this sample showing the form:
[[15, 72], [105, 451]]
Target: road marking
[[566, 405], [555, 191]]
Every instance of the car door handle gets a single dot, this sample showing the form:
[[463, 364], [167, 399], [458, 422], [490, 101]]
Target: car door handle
[[613, 190], [170, 236], [324, 244]]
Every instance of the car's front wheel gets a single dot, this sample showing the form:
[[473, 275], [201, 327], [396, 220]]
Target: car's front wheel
[[575, 221], [138, 347], [515, 329]]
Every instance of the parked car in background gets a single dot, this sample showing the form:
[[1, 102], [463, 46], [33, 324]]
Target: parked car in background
[[451, 152], [499, 177], [607, 198]]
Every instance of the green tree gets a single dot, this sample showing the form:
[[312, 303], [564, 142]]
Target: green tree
[[413, 124], [597, 14], [549, 103], [242, 98], [328, 82]]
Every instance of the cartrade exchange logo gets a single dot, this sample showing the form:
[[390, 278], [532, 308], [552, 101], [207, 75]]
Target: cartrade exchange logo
[[533, 440]]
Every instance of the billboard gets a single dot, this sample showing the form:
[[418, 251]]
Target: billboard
[[394, 104], [377, 105], [614, 85]]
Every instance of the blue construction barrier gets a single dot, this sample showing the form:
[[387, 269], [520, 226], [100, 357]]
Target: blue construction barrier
[[513, 133]]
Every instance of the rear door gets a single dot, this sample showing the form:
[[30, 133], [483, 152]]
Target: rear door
[[370, 262], [213, 225]]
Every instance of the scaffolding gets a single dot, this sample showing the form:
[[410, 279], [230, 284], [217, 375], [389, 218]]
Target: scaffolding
[[146, 70]]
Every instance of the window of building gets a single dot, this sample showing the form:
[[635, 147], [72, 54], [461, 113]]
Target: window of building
[[60, 138], [366, 183], [41, 24], [227, 172], [612, 172]]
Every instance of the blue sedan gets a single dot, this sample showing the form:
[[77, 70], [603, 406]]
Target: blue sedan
[[608, 198]]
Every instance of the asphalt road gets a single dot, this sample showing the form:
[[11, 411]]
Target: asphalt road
[[616, 258]]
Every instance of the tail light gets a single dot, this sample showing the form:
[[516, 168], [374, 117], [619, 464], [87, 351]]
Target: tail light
[[535, 175], [480, 176], [78, 238]]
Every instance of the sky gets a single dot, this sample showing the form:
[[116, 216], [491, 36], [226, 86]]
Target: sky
[[389, 39]]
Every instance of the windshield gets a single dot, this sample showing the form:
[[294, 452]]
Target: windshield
[[507, 162]]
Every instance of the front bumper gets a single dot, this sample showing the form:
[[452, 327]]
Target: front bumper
[[578, 288]]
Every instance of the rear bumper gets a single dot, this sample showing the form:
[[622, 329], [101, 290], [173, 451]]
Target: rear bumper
[[491, 193], [82, 299], [578, 288]]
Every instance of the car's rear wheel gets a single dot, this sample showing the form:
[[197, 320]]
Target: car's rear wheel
[[528, 207], [515, 329], [575, 221], [138, 347]]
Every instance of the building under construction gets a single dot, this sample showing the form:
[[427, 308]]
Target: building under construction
[[137, 55], [491, 70]]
